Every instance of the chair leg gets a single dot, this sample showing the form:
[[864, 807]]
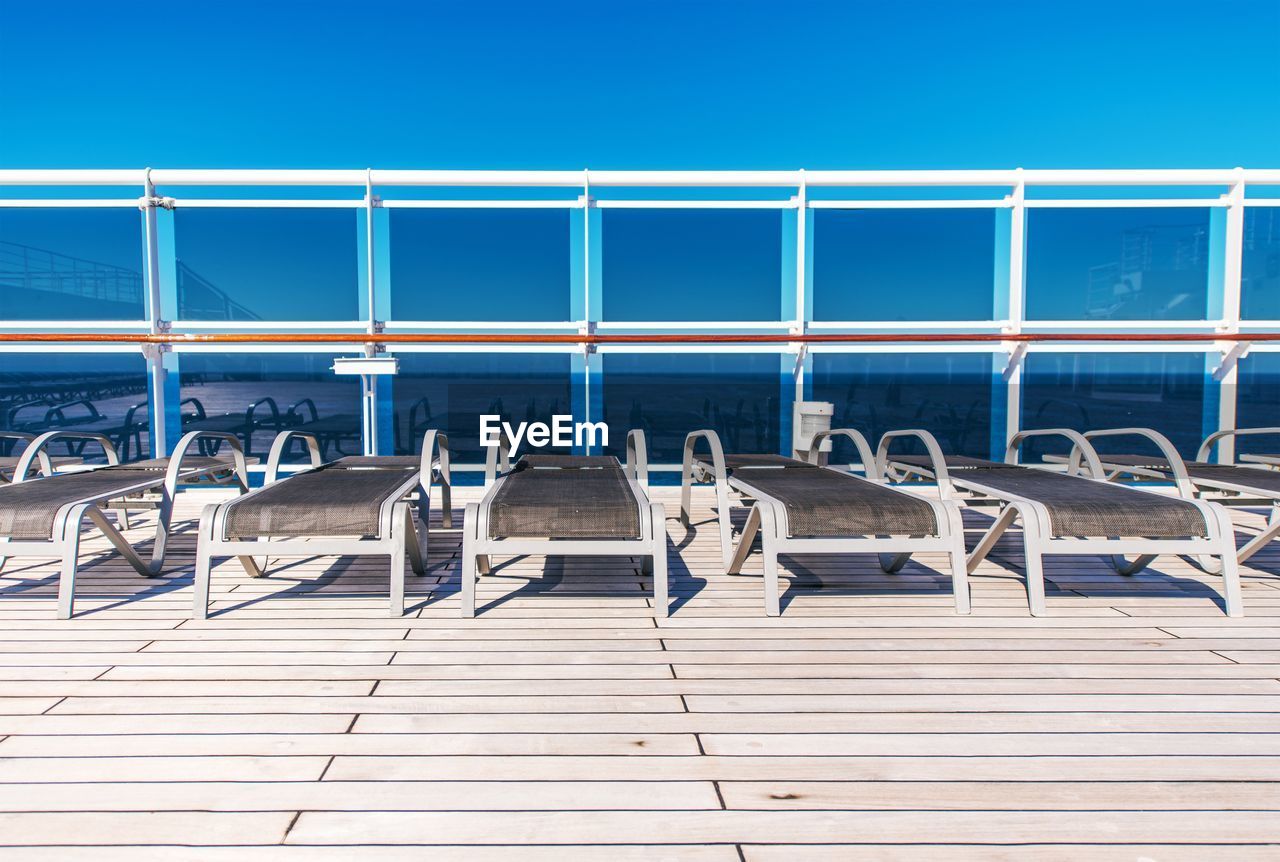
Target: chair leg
[[772, 597], [959, 565], [416, 545], [1258, 542], [1231, 594], [1035, 568], [743, 550], [1131, 567], [988, 541], [70, 563], [397, 579], [658, 562], [204, 564], [468, 583]]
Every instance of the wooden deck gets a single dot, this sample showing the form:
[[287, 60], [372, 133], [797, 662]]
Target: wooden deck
[[1136, 721]]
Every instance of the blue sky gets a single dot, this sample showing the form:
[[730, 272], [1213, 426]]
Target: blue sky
[[640, 84]]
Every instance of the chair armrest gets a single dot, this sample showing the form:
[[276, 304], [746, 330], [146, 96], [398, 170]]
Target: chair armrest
[[438, 442], [278, 447], [1212, 440], [46, 466], [497, 458], [1180, 478], [637, 466], [180, 454], [869, 464], [937, 460], [35, 449], [717, 453], [1075, 437]]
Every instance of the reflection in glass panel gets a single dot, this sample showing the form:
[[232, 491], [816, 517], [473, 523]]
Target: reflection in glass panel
[[267, 264], [737, 395], [1118, 263], [891, 264], [255, 396], [948, 394], [64, 264], [480, 264], [1258, 402], [1088, 391], [1260, 265], [692, 264], [103, 393], [450, 391]]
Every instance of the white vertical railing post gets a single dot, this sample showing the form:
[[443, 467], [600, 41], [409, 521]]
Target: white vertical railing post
[[802, 231], [369, 382], [154, 353], [1017, 305], [1233, 252]]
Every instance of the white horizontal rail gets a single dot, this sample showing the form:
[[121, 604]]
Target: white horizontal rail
[[909, 204], [695, 205], [1103, 203], [481, 204], [75, 203], [269, 203], [577, 178]]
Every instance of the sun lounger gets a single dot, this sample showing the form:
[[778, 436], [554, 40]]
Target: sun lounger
[[1228, 484], [800, 507], [354, 506], [44, 517], [566, 505], [1068, 513]]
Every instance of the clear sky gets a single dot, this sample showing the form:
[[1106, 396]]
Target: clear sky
[[694, 84]]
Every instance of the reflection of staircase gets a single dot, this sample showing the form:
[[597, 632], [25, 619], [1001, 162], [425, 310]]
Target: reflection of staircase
[[200, 299], [24, 267]]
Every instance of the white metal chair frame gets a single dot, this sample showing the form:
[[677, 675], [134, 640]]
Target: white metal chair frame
[[396, 536], [1223, 491], [68, 523], [650, 546], [768, 519], [1038, 536]]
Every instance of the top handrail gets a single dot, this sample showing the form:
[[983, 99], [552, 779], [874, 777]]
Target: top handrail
[[360, 177]]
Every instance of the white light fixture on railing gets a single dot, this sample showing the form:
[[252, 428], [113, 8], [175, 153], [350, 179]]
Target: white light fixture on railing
[[369, 368]]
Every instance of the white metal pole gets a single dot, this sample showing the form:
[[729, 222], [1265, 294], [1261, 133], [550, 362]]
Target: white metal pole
[[1017, 295], [1233, 251], [154, 353], [370, 382], [802, 218]]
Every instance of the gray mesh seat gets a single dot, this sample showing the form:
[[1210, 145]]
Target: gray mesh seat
[[823, 502], [333, 500], [565, 497], [28, 509], [954, 462], [1080, 507]]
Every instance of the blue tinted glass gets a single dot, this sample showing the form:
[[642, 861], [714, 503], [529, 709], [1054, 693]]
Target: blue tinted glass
[[69, 264], [948, 394], [267, 264], [254, 396], [1117, 264], [887, 264], [1088, 391], [449, 392], [479, 264], [104, 393], [1258, 402], [1260, 266], [692, 264], [737, 395]]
